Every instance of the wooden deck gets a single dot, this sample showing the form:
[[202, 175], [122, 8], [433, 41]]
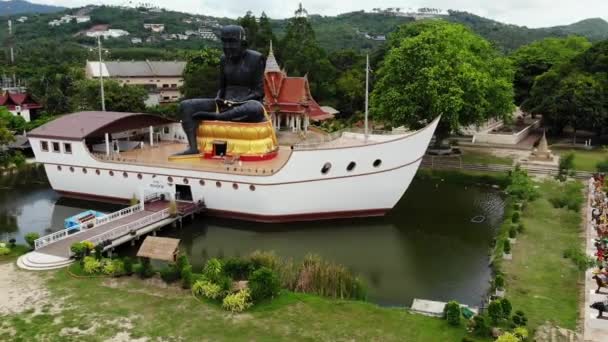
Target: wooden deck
[[159, 156], [61, 248]]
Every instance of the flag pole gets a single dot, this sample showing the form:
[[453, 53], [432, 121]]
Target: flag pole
[[103, 97]]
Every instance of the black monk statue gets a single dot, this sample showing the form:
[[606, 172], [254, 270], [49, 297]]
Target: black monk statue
[[241, 88]]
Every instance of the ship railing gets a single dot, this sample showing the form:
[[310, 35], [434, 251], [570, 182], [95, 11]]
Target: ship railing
[[64, 233], [347, 132], [129, 228]]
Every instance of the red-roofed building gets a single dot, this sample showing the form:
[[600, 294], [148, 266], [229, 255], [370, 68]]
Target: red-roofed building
[[288, 99], [20, 104]]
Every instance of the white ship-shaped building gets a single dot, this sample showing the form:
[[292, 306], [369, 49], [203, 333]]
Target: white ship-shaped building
[[241, 172]]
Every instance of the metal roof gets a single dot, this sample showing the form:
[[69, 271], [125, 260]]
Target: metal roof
[[138, 68], [78, 126]]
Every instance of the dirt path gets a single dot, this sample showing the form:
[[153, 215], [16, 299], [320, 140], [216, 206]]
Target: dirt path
[[20, 290]]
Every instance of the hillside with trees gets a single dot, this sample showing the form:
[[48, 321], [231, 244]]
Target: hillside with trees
[[12, 7]]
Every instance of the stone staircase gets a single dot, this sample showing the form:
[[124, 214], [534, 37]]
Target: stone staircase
[[35, 261]]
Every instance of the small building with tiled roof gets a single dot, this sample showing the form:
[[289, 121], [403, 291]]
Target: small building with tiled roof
[[20, 104], [288, 99]]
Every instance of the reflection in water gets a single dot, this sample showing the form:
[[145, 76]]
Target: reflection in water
[[427, 247]]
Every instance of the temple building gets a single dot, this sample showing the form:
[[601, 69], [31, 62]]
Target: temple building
[[288, 99], [20, 104]]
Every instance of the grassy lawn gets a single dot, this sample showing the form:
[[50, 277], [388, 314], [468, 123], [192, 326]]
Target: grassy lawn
[[16, 252], [480, 157], [539, 280], [585, 160], [102, 308]]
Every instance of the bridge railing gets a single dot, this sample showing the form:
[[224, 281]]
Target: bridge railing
[[130, 227], [64, 233]]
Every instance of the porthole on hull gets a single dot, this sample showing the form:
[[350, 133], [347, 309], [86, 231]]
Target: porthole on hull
[[326, 167]]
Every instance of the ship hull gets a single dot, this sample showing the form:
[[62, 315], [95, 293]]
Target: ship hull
[[299, 191]]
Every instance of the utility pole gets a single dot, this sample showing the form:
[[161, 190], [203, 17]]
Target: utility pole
[[103, 97], [11, 42], [366, 95]]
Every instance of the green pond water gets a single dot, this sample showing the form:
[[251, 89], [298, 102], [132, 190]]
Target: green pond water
[[427, 247]]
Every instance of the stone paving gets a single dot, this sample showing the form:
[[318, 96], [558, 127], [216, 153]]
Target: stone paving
[[595, 329]]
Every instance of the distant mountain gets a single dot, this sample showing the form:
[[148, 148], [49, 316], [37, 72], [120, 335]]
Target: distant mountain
[[12, 7], [594, 28]]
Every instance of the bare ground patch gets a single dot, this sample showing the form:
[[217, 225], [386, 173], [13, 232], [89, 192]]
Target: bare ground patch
[[21, 291]]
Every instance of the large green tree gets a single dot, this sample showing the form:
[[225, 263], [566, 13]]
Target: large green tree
[[118, 98], [350, 82], [574, 94], [442, 69], [300, 54], [537, 58], [201, 75], [265, 35], [249, 23]]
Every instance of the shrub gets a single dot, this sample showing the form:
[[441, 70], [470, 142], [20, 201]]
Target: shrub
[[495, 311], [237, 269], [207, 289], [264, 283], [92, 265], [515, 217], [480, 327], [98, 252], [507, 337], [507, 247], [88, 245], [169, 273], [499, 281], [182, 261], [237, 302], [187, 278], [519, 319], [213, 270], [452, 313], [4, 250], [12, 243], [114, 267], [571, 197], [566, 163], [506, 307], [265, 259], [602, 166], [520, 227], [31, 238], [521, 333], [144, 269], [79, 250], [467, 339], [579, 258], [513, 233], [128, 265], [521, 186]]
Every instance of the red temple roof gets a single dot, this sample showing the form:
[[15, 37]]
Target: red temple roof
[[285, 94], [10, 100]]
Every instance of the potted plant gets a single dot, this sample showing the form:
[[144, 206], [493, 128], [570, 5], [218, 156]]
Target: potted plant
[[499, 286], [512, 235], [506, 247]]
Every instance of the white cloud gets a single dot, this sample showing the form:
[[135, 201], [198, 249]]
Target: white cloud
[[532, 13]]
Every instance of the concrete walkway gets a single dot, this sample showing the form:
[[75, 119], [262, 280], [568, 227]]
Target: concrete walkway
[[595, 330]]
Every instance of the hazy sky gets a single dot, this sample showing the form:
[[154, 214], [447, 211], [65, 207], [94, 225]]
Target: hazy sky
[[532, 13]]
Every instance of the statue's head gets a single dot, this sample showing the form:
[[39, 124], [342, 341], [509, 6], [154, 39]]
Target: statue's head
[[234, 41]]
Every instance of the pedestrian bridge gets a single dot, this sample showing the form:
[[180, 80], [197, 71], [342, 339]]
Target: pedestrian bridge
[[54, 250]]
